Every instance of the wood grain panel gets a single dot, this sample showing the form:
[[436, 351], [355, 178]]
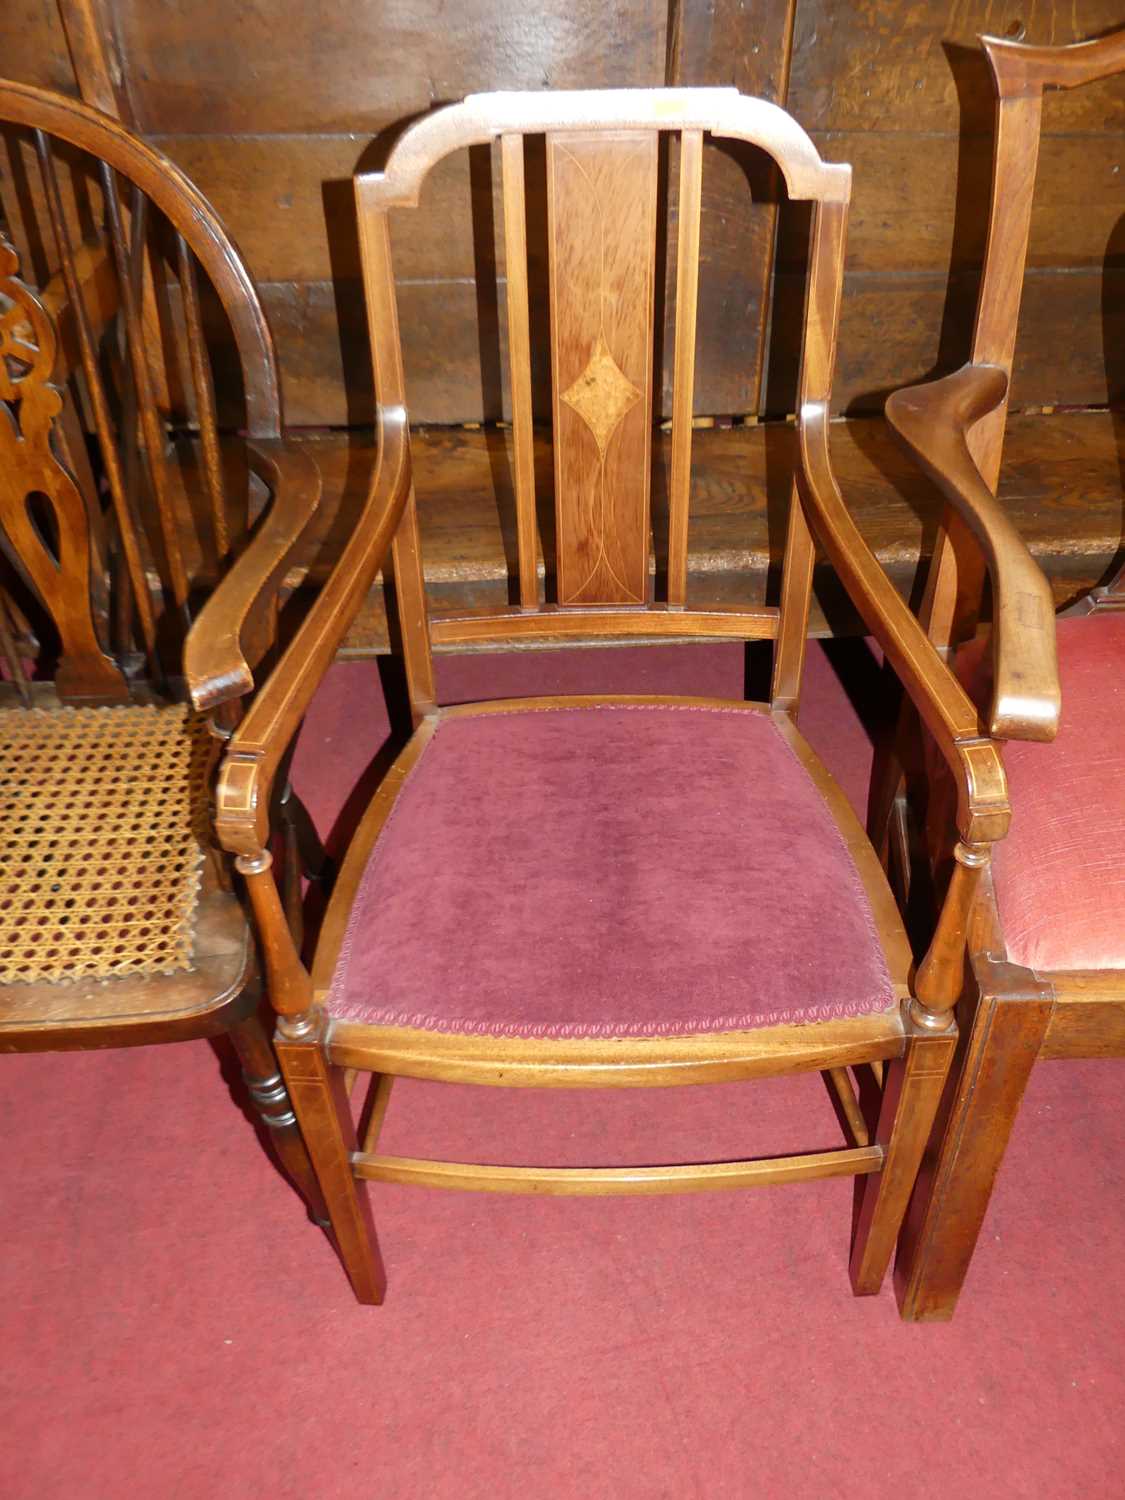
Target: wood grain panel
[[33, 48], [290, 207], [290, 66], [602, 206], [915, 65], [920, 202], [899, 329]]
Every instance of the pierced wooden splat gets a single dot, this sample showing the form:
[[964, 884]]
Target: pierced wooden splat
[[602, 225], [41, 509]]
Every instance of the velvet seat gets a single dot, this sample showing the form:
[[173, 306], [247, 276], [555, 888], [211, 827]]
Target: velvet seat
[[609, 871], [1060, 884]]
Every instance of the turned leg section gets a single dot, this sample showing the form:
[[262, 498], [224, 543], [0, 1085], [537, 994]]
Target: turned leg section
[[321, 1104], [267, 1089], [954, 1187], [912, 1090]]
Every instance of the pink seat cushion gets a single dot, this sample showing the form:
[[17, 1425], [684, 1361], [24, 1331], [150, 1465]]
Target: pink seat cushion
[[1060, 873], [609, 871]]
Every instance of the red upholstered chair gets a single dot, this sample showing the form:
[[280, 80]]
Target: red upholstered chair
[[1047, 940], [589, 892]]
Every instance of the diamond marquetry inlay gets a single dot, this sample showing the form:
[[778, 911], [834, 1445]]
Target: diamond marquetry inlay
[[602, 394]]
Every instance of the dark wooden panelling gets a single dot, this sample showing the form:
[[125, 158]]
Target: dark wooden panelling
[[907, 188], [914, 65], [902, 90], [289, 66], [33, 45], [897, 329]]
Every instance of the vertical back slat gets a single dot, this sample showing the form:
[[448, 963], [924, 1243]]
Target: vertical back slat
[[602, 226], [519, 356], [130, 268], [98, 402], [683, 379], [204, 397]]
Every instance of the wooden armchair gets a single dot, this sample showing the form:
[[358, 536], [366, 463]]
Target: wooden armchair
[[118, 923], [1047, 939], [593, 891]]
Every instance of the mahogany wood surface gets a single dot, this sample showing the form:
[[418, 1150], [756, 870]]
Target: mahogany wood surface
[[601, 192], [956, 428], [602, 351]]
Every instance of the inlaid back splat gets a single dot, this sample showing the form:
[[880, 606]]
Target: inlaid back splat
[[43, 514], [602, 214], [603, 239]]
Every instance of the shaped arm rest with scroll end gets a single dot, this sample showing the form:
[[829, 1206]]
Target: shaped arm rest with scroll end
[[983, 809], [933, 422], [231, 634], [258, 745]]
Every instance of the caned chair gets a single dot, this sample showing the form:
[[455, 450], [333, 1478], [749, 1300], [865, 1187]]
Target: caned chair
[[1047, 939], [596, 891], [118, 921]]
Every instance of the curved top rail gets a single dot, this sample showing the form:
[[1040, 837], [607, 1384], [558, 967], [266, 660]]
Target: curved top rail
[[1021, 68], [721, 111], [186, 208]]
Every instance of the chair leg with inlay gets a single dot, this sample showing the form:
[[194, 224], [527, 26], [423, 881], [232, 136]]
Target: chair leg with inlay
[[912, 1090], [320, 1101]]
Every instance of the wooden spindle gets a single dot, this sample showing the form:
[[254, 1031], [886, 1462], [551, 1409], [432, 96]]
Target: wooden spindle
[[519, 355], [683, 378], [11, 653], [130, 269], [940, 978], [204, 397], [98, 402]]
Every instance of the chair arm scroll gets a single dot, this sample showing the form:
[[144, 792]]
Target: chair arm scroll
[[983, 811], [933, 422], [222, 647], [258, 745]]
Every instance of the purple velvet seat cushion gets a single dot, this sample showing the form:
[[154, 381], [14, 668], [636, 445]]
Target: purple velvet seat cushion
[[609, 871]]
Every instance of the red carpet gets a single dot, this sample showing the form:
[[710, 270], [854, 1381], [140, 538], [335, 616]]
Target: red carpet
[[172, 1326]]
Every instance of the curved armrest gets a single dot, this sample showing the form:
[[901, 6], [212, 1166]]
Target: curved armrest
[[933, 422], [983, 811], [216, 650], [257, 746]]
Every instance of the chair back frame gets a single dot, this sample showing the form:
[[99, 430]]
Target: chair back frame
[[1021, 74], [602, 168], [42, 463]]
